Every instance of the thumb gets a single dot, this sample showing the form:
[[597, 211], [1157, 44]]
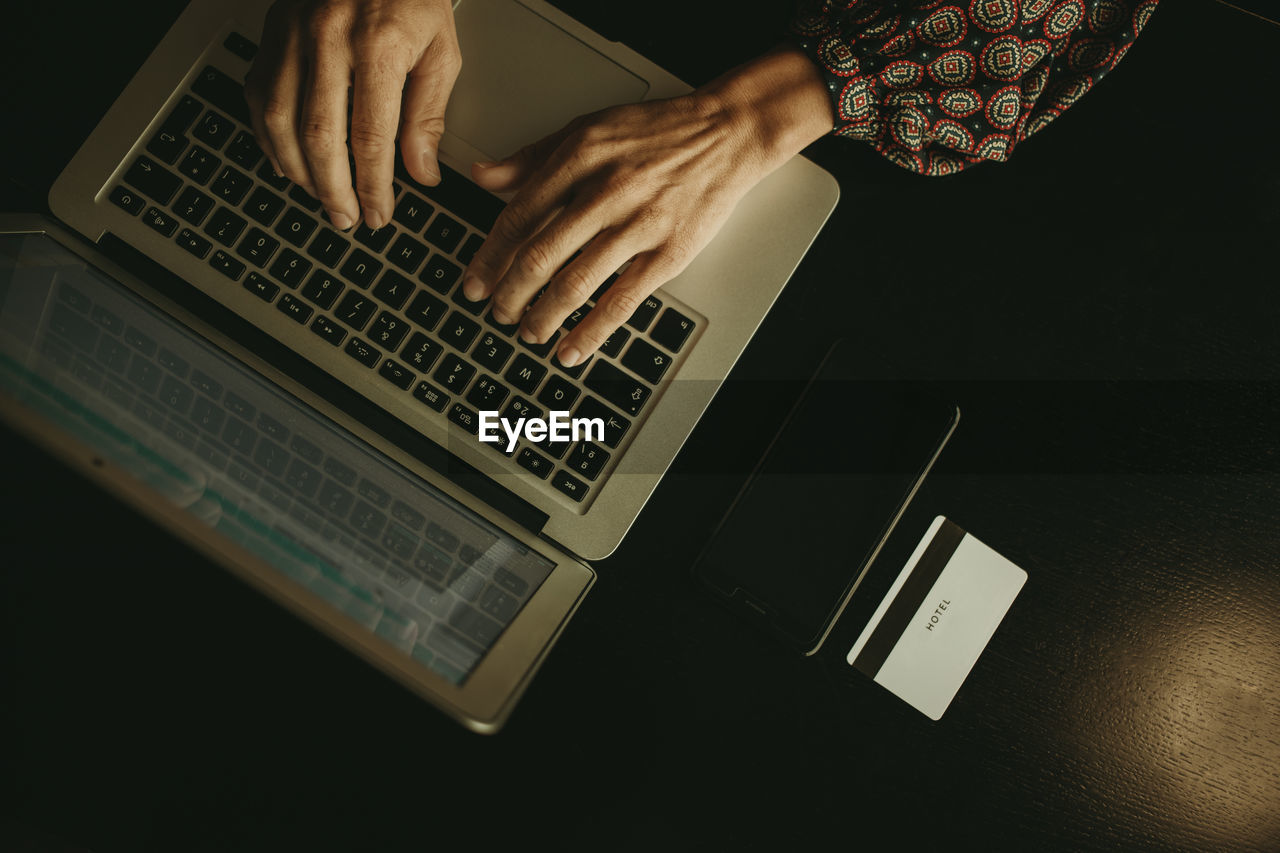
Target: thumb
[[510, 174], [426, 94]]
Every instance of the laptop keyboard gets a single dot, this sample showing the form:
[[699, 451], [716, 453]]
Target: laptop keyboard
[[391, 299], [421, 573]]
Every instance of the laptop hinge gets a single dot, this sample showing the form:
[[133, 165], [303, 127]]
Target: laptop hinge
[[328, 388]]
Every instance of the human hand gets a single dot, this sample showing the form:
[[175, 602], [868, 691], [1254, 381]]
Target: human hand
[[649, 183], [398, 58]]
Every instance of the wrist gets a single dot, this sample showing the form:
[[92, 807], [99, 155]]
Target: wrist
[[779, 99]]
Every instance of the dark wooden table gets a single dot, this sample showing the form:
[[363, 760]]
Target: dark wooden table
[[1103, 308]]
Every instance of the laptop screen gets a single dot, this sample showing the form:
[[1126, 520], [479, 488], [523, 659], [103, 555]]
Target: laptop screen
[[321, 507]]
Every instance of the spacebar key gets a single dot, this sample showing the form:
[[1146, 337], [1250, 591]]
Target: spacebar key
[[617, 387]]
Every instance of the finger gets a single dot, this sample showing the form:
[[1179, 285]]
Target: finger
[[324, 133], [536, 263], [542, 195], [273, 103], [374, 118], [510, 174], [646, 274], [426, 94]]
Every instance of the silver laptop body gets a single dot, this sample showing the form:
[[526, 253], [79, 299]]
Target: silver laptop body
[[497, 105]]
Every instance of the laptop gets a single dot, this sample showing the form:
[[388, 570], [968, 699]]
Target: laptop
[[302, 405]]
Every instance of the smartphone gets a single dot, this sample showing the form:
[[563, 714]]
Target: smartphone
[[823, 499]]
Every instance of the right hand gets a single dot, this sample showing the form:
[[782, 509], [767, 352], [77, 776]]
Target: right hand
[[399, 58]]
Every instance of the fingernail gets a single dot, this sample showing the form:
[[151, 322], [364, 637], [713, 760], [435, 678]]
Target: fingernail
[[486, 164], [275, 167], [569, 356], [473, 289], [340, 221], [528, 337], [374, 220]]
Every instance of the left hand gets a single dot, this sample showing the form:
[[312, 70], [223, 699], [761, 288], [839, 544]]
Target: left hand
[[650, 183]]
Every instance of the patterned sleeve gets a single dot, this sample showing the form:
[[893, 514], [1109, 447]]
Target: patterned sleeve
[[937, 86]]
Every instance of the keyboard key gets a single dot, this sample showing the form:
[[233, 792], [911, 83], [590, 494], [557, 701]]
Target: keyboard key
[[361, 269], [615, 425], [231, 185], [224, 226], [575, 371], [193, 206], [445, 232], [672, 330], [322, 289], [194, 243], [431, 395], [575, 317], [507, 329], [474, 308], [267, 173], [340, 472], [241, 46], [367, 520], [525, 373], [519, 408], [469, 248], [487, 393], [474, 625], [199, 165], [587, 460], [492, 351], [290, 268], [412, 212], [213, 130], [244, 151], [304, 198], [294, 308], [603, 288], [335, 498], [465, 418], [459, 331], [328, 330], [375, 240], [273, 428], [295, 226], [644, 315], [461, 197], [646, 361], [570, 485], [393, 289], [397, 374], [388, 330], [407, 515], [356, 310], [328, 248], [263, 205], [426, 310], [184, 113], [223, 92], [421, 352], [558, 394], [127, 201], [407, 253], [152, 180], [167, 146], [544, 349], [534, 462], [227, 265], [362, 352], [617, 387], [440, 274], [257, 247], [454, 374], [261, 287], [239, 436], [160, 221], [613, 344], [107, 320]]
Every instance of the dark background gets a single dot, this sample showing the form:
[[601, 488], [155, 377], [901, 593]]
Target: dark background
[[1103, 308]]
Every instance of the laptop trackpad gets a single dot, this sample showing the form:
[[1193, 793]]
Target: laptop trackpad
[[523, 77]]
